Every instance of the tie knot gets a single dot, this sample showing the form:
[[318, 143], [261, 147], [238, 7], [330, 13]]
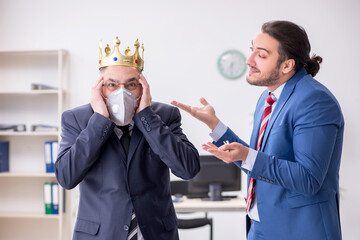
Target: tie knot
[[124, 129], [270, 99]]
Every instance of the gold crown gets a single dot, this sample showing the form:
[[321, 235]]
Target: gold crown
[[116, 58]]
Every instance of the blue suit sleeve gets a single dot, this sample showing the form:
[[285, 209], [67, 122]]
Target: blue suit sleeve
[[232, 137]]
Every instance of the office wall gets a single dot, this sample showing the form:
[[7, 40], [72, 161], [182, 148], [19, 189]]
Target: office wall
[[183, 40]]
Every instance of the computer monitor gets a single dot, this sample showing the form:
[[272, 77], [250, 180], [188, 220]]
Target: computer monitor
[[215, 177]]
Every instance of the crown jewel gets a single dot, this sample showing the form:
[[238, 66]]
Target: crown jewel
[[116, 58]]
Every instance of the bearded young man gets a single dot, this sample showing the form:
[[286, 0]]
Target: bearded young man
[[119, 149], [294, 154]]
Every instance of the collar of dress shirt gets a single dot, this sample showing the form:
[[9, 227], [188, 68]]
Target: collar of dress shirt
[[119, 132], [278, 91]]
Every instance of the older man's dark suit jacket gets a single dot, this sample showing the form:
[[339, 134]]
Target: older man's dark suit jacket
[[111, 185]]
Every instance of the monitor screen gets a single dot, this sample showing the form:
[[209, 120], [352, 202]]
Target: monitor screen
[[215, 176]]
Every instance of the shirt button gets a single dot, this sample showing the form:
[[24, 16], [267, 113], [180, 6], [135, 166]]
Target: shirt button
[[126, 227]]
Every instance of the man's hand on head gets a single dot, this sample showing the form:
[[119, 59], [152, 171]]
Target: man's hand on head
[[145, 100], [96, 100]]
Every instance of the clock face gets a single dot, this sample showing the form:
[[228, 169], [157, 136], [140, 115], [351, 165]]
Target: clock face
[[232, 64]]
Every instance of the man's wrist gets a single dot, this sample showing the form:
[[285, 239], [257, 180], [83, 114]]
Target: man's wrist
[[212, 125], [250, 159], [245, 153], [219, 130]]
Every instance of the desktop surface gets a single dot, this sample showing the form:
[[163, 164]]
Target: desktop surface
[[199, 205]]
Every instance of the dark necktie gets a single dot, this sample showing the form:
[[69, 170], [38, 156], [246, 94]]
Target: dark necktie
[[133, 229], [125, 142], [125, 138]]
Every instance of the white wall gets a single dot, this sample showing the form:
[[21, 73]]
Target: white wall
[[183, 40]]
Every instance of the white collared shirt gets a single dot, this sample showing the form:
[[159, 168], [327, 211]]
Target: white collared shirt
[[119, 133]]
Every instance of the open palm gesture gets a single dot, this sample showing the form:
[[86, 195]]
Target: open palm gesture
[[205, 114]]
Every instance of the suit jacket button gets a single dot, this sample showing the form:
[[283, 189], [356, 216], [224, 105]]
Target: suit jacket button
[[126, 228], [142, 118]]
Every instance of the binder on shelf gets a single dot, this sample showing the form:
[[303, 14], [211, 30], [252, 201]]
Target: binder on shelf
[[43, 128], [4, 156], [41, 86], [50, 155], [48, 198], [55, 198], [13, 127], [54, 152]]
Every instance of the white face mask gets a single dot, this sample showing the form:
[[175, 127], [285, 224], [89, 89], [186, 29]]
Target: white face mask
[[121, 106]]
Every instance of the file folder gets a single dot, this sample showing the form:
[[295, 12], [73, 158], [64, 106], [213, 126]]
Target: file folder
[[13, 127], [47, 198], [48, 156], [54, 152], [4, 156], [55, 198]]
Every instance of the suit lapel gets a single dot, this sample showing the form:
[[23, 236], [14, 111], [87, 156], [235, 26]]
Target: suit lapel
[[284, 97], [257, 120], [114, 140]]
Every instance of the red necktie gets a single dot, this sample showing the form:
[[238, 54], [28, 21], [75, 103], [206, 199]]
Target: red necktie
[[265, 119]]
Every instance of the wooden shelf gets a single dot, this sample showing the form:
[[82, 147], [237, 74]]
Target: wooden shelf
[[22, 189], [30, 215], [28, 133], [34, 52], [30, 92], [27, 174]]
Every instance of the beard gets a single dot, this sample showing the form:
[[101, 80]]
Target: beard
[[265, 81]]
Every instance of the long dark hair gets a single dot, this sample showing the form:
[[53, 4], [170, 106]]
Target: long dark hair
[[293, 44]]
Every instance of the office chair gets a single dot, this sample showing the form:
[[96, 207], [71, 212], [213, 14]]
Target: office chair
[[181, 187]]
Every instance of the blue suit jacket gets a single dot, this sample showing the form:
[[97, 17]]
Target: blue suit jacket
[[297, 167], [111, 185]]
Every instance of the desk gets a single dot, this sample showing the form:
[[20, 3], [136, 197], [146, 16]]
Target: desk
[[198, 205]]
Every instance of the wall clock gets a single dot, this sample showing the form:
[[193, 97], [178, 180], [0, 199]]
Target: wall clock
[[232, 64]]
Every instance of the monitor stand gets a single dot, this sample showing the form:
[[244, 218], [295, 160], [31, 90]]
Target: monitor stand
[[215, 193]]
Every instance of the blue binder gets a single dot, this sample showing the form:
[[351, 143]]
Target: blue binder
[[4, 156], [55, 198], [50, 155]]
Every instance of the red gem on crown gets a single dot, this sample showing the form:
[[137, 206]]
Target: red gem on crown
[[99, 61], [136, 61]]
